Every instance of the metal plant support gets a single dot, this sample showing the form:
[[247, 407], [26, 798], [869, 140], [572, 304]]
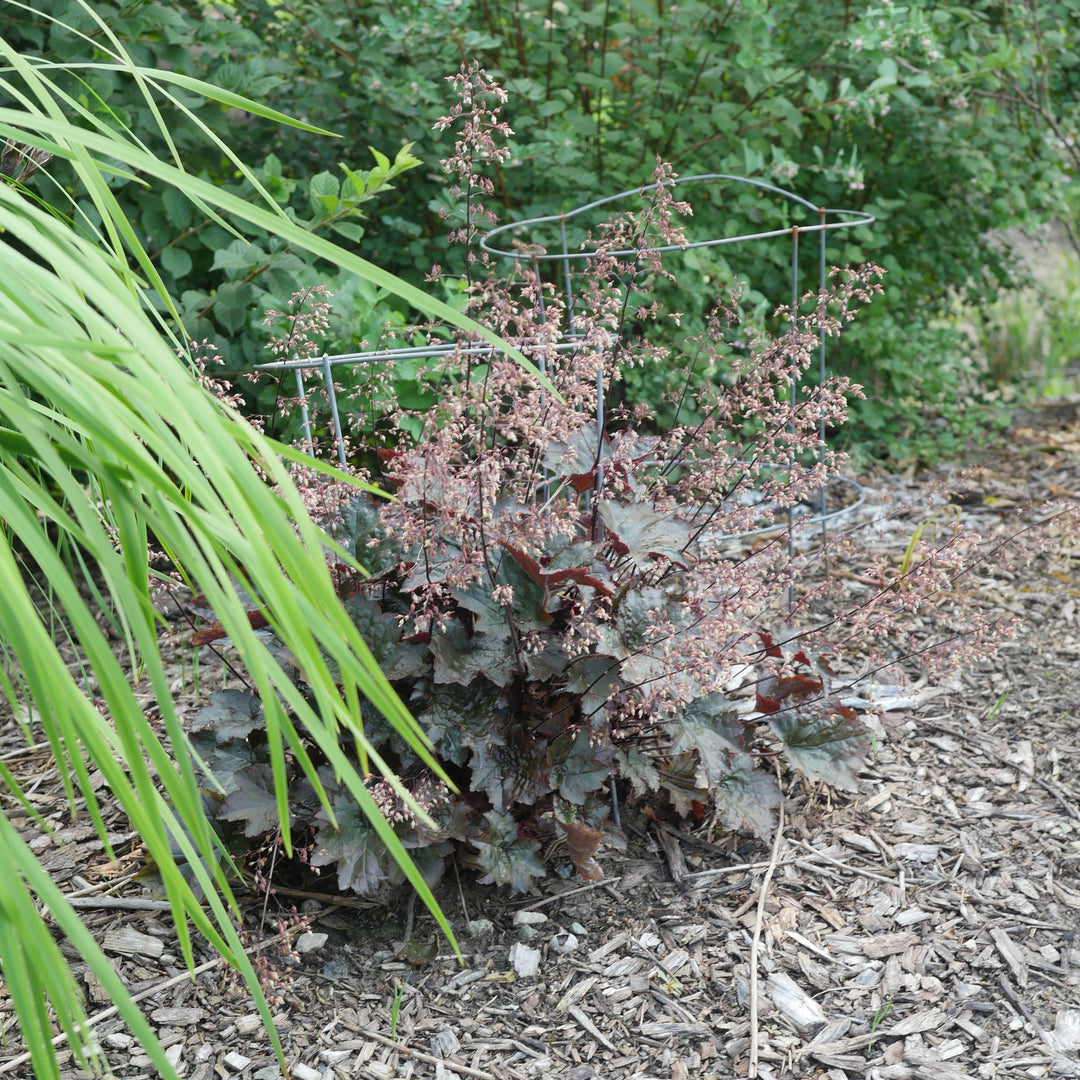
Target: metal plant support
[[827, 220]]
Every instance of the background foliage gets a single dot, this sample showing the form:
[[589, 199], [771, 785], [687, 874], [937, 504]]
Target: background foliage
[[947, 121]]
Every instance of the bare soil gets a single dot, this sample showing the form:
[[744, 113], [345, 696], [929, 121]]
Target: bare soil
[[924, 927]]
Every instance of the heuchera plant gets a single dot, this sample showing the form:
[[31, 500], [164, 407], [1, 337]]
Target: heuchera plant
[[559, 601]]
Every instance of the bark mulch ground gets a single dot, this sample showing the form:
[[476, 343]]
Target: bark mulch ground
[[921, 928]]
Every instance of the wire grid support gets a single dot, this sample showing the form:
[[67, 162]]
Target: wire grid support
[[827, 220]]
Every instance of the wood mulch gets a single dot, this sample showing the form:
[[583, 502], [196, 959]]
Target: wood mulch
[[923, 928]]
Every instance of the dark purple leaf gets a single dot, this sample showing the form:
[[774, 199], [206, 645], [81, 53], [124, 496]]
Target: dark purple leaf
[[506, 859], [252, 800], [678, 777], [461, 657], [354, 848], [510, 771], [746, 800], [230, 714], [639, 769], [575, 459]]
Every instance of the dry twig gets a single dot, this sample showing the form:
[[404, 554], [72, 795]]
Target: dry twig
[[758, 922]]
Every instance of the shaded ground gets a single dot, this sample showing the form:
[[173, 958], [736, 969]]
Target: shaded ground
[[923, 927]]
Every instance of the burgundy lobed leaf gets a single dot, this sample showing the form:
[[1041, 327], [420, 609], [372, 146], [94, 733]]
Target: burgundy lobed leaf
[[769, 646], [548, 579]]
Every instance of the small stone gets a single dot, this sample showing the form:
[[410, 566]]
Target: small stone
[[118, 1041], [334, 969], [310, 907], [310, 942], [236, 1062], [529, 918], [564, 942], [479, 927], [305, 1072], [174, 1053], [577, 928], [269, 1072]]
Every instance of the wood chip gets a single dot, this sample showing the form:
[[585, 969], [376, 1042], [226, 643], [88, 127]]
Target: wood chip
[[793, 1002], [576, 993], [128, 942], [668, 1030], [182, 1017], [591, 1028], [1011, 954], [918, 1022], [887, 944]]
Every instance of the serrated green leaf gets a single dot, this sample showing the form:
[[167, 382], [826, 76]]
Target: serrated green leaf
[[231, 305], [349, 229], [578, 766], [239, 255], [323, 192], [176, 261], [177, 207], [644, 533], [825, 741]]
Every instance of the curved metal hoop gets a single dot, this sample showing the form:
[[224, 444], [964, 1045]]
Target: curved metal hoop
[[848, 219], [828, 220]]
